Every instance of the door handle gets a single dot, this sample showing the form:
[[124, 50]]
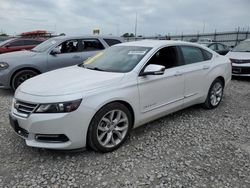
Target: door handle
[[178, 73], [76, 56], [206, 67]]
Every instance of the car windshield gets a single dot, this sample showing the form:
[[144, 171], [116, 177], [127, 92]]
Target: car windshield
[[117, 59], [44, 46], [5, 42], [242, 47]]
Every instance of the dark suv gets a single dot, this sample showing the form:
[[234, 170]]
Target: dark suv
[[17, 44]]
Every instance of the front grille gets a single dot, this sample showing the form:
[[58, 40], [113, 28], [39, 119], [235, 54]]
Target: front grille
[[240, 61], [241, 70], [24, 107]]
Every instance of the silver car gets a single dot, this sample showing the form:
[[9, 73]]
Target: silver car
[[52, 54]]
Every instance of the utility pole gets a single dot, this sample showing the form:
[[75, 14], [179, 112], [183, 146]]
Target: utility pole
[[136, 24], [204, 26]]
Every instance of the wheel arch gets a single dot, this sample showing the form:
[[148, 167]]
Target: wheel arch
[[21, 69], [222, 79]]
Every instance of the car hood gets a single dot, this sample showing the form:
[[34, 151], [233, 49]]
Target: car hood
[[17, 55], [238, 55], [69, 80]]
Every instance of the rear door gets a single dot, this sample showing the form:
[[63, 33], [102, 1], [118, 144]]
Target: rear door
[[197, 66]]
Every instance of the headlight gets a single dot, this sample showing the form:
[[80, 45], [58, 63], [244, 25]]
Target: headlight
[[63, 107], [3, 65]]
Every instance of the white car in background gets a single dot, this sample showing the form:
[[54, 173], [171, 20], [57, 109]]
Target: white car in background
[[240, 58], [99, 102]]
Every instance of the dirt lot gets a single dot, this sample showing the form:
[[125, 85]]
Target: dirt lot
[[190, 148]]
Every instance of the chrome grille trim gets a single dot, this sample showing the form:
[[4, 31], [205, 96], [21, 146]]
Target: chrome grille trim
[[25, 108]]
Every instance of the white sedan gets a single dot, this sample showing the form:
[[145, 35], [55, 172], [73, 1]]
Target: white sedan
[[98, 102]]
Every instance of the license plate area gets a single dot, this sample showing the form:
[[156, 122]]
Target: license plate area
[[20, 131]]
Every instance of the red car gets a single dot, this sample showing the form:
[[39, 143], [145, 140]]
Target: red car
[[17, 44]]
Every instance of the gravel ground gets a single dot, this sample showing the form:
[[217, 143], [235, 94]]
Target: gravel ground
[[190, 148]]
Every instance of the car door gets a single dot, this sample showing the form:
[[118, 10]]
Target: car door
[[197, 66], [91, 46], [160, 93], [67, 53]]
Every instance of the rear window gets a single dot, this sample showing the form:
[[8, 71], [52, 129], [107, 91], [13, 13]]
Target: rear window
[[192, 54], [112, 42]]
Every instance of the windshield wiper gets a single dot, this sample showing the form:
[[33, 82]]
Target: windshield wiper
[[94, 68]]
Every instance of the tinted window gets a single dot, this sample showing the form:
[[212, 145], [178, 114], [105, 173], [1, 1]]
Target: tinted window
[[112, 42], [70, 46], [192, 54], [207, 55], [16, 43], [167, 57], [92, 45], [31, 42]]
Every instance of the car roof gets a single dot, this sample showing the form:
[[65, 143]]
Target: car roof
[[157, 43], [89, 36]]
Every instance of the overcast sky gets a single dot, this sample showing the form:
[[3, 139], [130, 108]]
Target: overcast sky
[[118, 16]]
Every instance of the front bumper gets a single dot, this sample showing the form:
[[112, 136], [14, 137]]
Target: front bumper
[[73, 126], [4, 79]]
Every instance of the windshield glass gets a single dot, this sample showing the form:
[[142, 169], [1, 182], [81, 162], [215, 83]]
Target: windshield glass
[[117, 59], [5, 42], [242, 47], [44, 46]]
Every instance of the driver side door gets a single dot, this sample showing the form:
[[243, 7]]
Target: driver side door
[[159, 94], [68, 53]]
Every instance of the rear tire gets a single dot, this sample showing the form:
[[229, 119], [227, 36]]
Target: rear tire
[[215, 94], [22, 76], [109, 128]]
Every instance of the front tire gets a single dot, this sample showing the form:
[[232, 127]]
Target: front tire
[[22, 76], [109, 128], [215, 94]]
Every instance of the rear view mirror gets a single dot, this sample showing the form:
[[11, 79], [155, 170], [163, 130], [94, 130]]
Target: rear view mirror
[[55, 51], [153, 70]]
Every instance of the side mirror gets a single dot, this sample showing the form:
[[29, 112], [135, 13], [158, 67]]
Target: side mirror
[[153, 70], [7, 45], [55, 51]]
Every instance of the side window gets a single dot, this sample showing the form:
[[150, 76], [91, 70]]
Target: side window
[[192, 54], [207, 55], [31, 42], [92, 45], [16, 43], [69, 46], [212, 47], [112, 42], [167, 57], [221, 47]]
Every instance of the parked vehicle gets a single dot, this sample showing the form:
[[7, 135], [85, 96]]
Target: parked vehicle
[[240, 58], [205, 40], [52, 54], [97, 103], [17, 44], [217, 47]]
